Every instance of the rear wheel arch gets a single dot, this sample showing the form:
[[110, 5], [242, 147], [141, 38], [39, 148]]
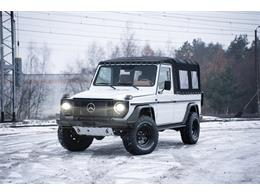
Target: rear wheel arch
[[191, 107], [194, 108]]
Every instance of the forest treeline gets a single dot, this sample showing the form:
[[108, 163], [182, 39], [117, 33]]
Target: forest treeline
[[228, 76]]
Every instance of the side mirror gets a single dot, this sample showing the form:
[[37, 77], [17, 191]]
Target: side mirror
[[167, 85]]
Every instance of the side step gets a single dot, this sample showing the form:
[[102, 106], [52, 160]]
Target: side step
[[171, 126]]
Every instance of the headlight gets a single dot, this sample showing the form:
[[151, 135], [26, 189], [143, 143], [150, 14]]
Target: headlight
[[119, 108], [66, 106]]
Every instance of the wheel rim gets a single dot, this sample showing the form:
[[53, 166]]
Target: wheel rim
[[143, 135], [74, 136], [195, 129]]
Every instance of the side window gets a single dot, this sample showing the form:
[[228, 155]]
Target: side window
[[194, 78], [165, 75], [184, 80]]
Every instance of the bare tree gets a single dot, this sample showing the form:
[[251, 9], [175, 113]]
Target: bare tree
[[129, 47], [78, 76], [170, 50], [78, 80], [33, 90], [159, 52], [95, 54], [147, 50], [115, 52]]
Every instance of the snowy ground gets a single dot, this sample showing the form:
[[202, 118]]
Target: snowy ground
[[227, 152]]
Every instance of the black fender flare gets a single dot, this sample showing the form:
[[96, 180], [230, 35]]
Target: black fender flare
[[136, 113], [190, 106]]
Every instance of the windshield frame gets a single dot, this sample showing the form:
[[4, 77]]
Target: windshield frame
[[111, 65]]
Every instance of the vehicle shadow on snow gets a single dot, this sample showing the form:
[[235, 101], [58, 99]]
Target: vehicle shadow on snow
[[117, 149], [114, 149]]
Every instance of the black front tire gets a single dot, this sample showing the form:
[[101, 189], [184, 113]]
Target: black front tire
[[71, 141], [142, 138], [190, 134]]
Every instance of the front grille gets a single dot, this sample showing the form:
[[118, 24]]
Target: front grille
[[102, 108]]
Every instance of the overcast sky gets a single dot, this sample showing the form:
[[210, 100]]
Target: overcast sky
[[68, 34]]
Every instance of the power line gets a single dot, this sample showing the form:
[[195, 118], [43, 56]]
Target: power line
[[189, 18], [71, 42], [52, 43], [113, 26], [143, 23], [66, 28], [245, 13], [63, 27], [67, 44], [105, 37], [81, 35], [209, 16], [198, 21], [69, 49], [58, 49]]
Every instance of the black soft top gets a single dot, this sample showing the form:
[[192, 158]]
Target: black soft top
[[178, 65], [148, 60]]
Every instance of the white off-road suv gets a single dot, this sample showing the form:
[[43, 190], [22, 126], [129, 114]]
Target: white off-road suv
[[134, 98]]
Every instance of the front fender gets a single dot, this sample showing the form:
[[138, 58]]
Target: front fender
[[136, 113]]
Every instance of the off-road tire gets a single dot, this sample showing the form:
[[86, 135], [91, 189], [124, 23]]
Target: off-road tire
[[142, 138], [71, 141], [190, 134]]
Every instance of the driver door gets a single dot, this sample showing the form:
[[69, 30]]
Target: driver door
[[165, 111]]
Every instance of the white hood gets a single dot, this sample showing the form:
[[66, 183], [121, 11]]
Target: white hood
[[118, 93]]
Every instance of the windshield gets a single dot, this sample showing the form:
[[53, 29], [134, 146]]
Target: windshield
[[126, 75]]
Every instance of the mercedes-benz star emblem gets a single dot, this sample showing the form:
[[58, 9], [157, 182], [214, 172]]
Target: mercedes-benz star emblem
[[91, 107]]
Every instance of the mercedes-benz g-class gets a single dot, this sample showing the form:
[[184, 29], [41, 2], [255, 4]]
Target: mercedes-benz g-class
[[134, 98]]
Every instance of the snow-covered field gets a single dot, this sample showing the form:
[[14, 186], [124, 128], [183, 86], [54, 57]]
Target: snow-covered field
[[227, 152]]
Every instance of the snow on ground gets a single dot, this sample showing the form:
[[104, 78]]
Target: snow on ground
[[227, 152], [29, 123]]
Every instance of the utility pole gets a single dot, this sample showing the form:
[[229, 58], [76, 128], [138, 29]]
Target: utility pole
[[1, 70], [257, 74], [7, 66]]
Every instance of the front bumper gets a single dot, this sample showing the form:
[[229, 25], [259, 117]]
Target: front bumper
[[112, 122], [95, 127]]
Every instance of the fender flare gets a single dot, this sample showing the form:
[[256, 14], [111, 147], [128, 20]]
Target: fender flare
[[136, 113], [188, 110]]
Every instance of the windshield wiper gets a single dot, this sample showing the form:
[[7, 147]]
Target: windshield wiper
[[135, 87], [106, 84], [128, 84], [112, 86]]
